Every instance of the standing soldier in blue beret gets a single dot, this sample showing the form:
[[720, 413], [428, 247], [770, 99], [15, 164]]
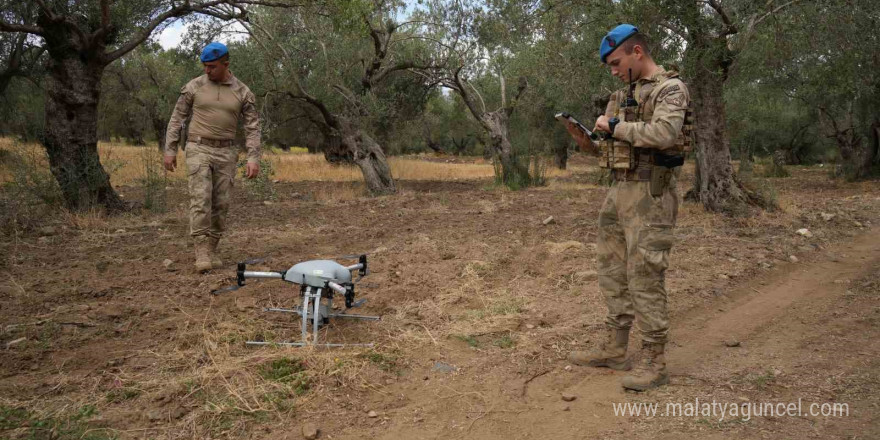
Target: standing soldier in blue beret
[[216, 101], [647, 131]]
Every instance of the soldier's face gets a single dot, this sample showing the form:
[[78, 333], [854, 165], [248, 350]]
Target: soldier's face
[[216, 70], [620, 63]]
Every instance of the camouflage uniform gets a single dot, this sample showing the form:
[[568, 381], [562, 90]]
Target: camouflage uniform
[[637, 219], [635, 226], [210, 154]]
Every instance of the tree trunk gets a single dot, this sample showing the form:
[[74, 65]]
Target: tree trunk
[[349, 143], [73, 89], [560, 146], [561, 155], [857, 156], [875, 141], [429, 139], [160, 126], [716, 185], [497, 124], [717, 189], [135, 133]]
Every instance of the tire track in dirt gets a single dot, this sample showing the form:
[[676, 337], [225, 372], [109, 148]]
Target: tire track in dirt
[[774, 315]]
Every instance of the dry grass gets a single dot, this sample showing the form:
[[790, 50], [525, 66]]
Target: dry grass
[[126, 165]]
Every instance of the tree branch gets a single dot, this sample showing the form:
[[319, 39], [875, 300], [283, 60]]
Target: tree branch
[[299, 93], [406, 65], [105, 14], [520, 89], [46, 10], [775, 10], [10, 27], [729, 28], [207, 8], [457, 85], [755, 20]]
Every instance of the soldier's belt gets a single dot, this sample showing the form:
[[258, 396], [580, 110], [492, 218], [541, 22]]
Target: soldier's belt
[[216, 143], [640, 174]]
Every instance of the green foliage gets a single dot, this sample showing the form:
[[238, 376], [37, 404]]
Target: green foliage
[[385, 362], [764, 188], [287, 371], [520, 173], [31, 180], [504, 342], [61, 426], [11, 418], [260, 187], [140, 91], [30, 192], [789, 86], [154, 181], [470, 340], [773, 169], [22, 110], [118, 395]]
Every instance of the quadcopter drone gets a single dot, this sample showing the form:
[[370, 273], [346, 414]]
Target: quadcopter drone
[[318, 280]]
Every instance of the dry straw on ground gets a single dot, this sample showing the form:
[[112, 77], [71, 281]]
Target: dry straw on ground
[[125, 163]]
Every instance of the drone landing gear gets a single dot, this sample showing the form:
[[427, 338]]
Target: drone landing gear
[[320, 315]]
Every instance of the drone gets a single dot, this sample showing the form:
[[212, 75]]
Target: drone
[[318, 280]]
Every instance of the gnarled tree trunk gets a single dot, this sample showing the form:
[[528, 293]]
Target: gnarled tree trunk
[[715, 183], [857, 154], [349, 143], [73, 89], [497, 123]]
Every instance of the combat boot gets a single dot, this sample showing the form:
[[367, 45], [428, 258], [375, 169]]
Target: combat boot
[[651, 371], [216, 262], [610, 354], [203, 258]]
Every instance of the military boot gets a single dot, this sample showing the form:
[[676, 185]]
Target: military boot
[[651, 371], [216, 262], [203, 257], [610, 354]]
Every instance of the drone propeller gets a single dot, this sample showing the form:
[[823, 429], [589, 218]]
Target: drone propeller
[[350, 256], [231, 288], [259, 260]]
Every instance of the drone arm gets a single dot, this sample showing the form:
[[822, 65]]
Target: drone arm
[[254, 274], [361, 266], [336, 287]]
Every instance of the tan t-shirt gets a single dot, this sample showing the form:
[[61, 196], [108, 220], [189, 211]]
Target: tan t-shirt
[[216, 109]]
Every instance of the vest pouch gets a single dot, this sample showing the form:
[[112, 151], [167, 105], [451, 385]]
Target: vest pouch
[[617, 155], [660, 177], [685, 141]]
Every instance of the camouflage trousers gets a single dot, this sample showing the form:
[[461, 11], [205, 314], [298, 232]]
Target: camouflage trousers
[[211, 172], [635, 237]]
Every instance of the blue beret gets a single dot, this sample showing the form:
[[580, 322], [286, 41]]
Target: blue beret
[[614, 39], [213, 51]]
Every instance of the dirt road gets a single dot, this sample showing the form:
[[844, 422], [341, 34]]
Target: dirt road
[[807, 331]]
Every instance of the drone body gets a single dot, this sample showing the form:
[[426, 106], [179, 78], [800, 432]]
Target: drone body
[[318, 279]]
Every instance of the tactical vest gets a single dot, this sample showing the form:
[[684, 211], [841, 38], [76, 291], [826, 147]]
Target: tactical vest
[[621, 154]]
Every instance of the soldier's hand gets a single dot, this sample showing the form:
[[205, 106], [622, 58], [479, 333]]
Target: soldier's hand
[[170, 163], [253, 170], [602, 124]]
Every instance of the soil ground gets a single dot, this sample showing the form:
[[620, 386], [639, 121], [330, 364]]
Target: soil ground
[[481, 302]]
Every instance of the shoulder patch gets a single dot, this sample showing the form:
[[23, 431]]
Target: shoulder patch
[[677, 100], [668, 90]]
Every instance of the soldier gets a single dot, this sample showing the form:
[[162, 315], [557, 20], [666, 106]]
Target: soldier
[[647, 131], [216, 101]]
